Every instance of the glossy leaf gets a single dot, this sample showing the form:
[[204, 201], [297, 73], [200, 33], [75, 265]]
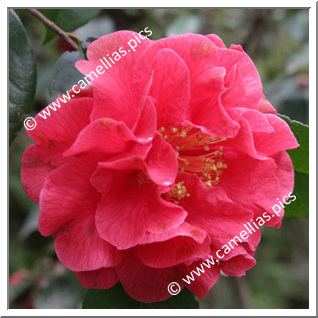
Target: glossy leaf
[[300, 159], [299, 207], [65, 74], [22, 75], [299, 156]]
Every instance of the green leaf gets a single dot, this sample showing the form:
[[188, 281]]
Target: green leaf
[[22, 75], [116, 298], [91, 39], [68, 19], [65, 74], [299, 156], [300, 159], [299, 207], [184, 300]]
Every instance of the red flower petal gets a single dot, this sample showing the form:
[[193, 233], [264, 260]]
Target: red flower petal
[[170, 86], [244, 83], [162, 163], [240, 181], [281, 139], [79, 247], [129, 201], [146, 124], [285, 176], [200, 57], [217, 41], [106, 136], [203, 283], [238, 265], [265, 107], [174, 251], [53, 136], [66, 193], [256, 121], [145, 283], [61, 126], [114, 87], [37, 163], [185, 229], [102, 278], [211, 210], [159, 164]]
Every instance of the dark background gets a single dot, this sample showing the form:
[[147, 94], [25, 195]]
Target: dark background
[[277, 41]]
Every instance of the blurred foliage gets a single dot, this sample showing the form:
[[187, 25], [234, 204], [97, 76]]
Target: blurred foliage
[[67, 19], [277, 41], [116, 297]]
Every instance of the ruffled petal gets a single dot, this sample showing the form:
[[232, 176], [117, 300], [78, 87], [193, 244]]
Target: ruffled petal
[[238, 265], [79, 247], [256, 120], [240, 181], [284, 172], [217, 41], [244, 83], [61, 126], [203, 282], [285, 176], [206, 80], [185, 229], [210, 209], [162, 163], [130, 205], [108, 137], [280, 139], [265, 107], [37, 163], [174, 251], [146, 124], [114, 96], [170, 88], [66, 193]]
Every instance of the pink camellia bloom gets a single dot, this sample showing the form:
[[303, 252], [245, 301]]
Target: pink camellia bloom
[[159, 164]]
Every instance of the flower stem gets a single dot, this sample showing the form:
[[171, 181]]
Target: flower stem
[[79, 41], [54, 27]]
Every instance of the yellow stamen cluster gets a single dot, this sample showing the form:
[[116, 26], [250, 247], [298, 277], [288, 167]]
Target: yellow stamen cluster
[[191, 144], [142, 177], [178, 192], [188, 137], [207, 167]]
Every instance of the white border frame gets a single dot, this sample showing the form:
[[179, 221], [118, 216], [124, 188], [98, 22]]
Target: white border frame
[[312, 182]]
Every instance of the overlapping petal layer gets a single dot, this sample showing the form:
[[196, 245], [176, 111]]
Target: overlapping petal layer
[[159, 164]]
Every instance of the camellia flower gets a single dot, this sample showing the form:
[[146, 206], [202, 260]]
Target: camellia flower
[[158, 164]]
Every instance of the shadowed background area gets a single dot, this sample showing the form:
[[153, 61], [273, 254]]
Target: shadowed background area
[[277, 42]]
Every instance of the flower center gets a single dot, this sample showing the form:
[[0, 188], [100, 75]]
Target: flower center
[[178, 192], [197, 152]]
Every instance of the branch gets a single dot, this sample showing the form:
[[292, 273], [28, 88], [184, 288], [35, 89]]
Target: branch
[[53, 27]]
